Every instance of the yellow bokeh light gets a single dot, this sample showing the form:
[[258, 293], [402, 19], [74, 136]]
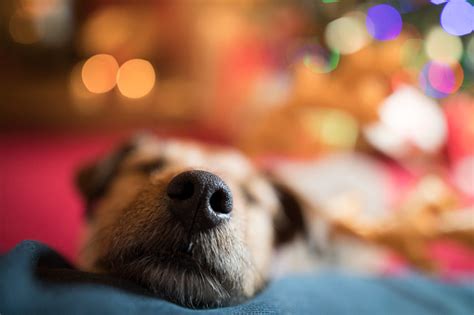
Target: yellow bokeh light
[[332, 128], [339, 129], [136, 78], [99, 73], [347, 34], [443, 47]]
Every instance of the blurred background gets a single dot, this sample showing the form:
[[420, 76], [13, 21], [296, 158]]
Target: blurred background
[[370, 101]]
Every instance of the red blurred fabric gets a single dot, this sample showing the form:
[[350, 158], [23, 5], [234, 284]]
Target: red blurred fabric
[[38, 199]]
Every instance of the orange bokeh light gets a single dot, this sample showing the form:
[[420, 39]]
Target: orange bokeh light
[[99, 73], [136, 78], [23, 29], [106, 31]]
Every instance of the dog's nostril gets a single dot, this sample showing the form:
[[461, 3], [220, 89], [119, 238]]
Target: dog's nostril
[[180, 190], [220, 202]]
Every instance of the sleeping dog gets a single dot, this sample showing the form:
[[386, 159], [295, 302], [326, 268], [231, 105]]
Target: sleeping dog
[[194, 224]]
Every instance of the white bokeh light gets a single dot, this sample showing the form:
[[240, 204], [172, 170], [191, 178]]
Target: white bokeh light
[[347, 34], [408, 118]]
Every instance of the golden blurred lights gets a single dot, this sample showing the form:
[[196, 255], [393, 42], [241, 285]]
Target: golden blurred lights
[[443, 47], [99, 73], [136, 78], [347, 34]]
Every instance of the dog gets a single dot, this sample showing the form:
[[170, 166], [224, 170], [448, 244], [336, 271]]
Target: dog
[[191, 223], [201, 226]]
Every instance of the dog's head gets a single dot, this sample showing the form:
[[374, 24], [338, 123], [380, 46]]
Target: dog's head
[[194, 224]]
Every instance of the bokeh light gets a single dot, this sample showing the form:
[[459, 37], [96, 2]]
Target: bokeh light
[[332, 128], [438, 80], [339, 129], [383, 22], [347, 34], [412, 54], [39, 8], [445, 78], [23, 29], [106, 30], [136, 78], [410, 115], [457, 17], [441, 77], [425, 85], [318, 59], [51, 17], [443, 47], [99, 73]]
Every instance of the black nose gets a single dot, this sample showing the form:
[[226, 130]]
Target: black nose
[[199, 199]]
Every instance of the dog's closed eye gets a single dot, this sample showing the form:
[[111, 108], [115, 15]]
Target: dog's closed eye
[[151, 166], [249, 197]]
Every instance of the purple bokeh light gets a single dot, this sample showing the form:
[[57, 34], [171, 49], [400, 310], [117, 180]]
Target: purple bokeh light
[[441, 77], [457, 17], [425, 84], [383, 22], [438, 80]]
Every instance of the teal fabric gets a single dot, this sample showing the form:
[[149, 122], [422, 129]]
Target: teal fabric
[[22, 292]]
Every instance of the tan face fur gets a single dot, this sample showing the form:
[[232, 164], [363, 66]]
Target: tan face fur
[[132, 233]]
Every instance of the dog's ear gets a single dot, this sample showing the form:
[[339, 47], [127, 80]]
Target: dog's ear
[[298, 216], [94, 178], [290, 219]]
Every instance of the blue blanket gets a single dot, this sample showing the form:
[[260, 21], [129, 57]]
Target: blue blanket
[[36, 280]]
